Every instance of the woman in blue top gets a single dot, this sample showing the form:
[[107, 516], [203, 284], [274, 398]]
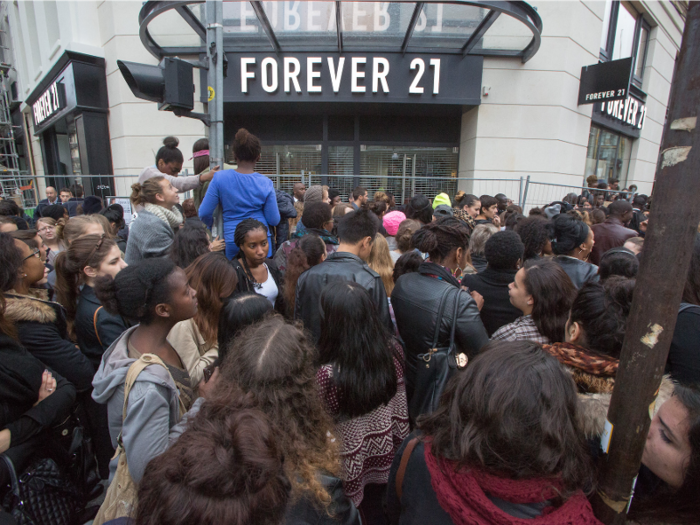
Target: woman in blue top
[[242, 193]]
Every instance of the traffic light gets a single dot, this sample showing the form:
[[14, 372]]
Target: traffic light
[[169, 83]]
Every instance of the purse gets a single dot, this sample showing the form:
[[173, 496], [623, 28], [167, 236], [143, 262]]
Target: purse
[[435, 367], [120, 499], [42, 495]]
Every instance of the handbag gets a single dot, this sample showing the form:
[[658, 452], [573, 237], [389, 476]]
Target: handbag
[[435, 367], [42, 495], [120, 499]]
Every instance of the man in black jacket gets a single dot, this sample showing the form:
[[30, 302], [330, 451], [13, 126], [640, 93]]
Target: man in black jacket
[[504, 253], [356, 231]]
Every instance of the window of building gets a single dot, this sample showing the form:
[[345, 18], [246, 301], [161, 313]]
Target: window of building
[[625, 34], [608, 155]]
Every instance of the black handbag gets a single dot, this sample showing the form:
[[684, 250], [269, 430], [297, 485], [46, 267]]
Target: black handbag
[[435, 367], [42, 495], [77, 451]]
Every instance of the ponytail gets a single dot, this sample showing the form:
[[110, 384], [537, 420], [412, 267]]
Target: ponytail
[[142, 193]]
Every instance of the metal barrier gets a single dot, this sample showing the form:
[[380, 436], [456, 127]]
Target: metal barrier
[[522, 191]]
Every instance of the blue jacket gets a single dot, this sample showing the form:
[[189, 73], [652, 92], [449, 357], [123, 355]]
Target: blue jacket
[[241, 196]]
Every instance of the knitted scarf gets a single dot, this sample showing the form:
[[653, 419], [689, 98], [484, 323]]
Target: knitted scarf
[[464, 496], [172, 218]]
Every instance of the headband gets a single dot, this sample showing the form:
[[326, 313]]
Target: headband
[[200, 153]]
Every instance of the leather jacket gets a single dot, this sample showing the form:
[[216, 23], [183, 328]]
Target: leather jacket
[[109, 327], [609, 234], [304, 511], [579, 271], [339, 266], [416, 302]]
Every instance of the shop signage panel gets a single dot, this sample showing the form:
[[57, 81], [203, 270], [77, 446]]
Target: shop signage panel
[[354, 77], [50, 102], [624, 116], [606, 81]]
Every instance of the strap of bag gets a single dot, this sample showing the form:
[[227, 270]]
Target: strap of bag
[[454, 319], [135, 369], [402, 466], [13, 476], [441, 311], [687, 306], [94, 324]]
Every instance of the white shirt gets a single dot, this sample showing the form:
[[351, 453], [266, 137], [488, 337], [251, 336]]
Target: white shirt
[[269, 287]]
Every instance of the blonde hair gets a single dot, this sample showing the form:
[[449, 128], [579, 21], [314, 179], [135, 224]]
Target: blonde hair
[[68, 231], [48, 220], [380, 196], [142, 193], [380, 261]]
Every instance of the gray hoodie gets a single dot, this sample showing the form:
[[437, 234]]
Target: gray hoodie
[[152, 411]]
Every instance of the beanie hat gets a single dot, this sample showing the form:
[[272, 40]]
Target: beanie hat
[[92, 204], [441, 198], [444, 210], [313, 194], [392, 221]]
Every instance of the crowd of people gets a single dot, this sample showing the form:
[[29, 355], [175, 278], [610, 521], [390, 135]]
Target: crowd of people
[[446, 360]]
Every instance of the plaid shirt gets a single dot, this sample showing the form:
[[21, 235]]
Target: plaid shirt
[[522, 329]]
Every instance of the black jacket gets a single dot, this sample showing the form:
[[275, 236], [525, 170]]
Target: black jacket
[[493, 286], [20, 379], [109, 327], [683, 357], [579, 271], [285, 203], [416, 302], [246, 285], [339, 266], [42, 330], [305, 512]]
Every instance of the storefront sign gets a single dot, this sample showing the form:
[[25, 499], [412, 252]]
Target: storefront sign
[[625, 116], [51, 101], [355, 77], [606, 81]]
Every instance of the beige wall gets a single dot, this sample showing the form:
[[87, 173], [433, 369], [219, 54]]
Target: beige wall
[[530, 123]]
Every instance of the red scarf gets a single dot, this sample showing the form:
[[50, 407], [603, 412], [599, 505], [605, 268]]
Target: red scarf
[[584, 359], [463, 496]]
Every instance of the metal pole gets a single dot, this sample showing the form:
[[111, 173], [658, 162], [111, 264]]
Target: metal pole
[[527, 186], [215, 78], [667, 251], [520, 193]]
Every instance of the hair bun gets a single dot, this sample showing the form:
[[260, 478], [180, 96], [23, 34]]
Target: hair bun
[[242, 136], [171, 142]]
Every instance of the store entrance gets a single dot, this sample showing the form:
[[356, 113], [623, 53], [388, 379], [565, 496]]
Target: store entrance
[[608, 155]]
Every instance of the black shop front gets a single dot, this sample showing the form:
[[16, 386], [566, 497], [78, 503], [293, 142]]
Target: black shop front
[[69, 109]]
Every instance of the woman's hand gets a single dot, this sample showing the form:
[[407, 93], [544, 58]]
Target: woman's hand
[[217, 245], [206, 388], [496, 220], [5, 438], [478, 299], [48, 386], [206, 177]]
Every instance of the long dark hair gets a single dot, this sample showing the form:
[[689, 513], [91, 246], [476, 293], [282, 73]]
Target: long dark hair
[[678, 505], [512, 411], [225, 468], [553, 293], [419, 209], [351, 337], [190, 242], [238, 312], [200, 164], [10, 265], [307, 253]]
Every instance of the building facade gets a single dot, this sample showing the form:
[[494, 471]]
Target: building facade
[[478, 122]]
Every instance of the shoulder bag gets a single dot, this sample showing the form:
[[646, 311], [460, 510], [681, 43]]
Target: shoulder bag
[[120, 499], [435, 367]]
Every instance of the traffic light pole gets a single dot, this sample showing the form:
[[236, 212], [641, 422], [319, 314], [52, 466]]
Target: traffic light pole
[[667, 250], [215, 78]]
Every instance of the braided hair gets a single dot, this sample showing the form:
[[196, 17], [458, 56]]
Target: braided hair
[[442, 237], [136, 290], [242, 230]]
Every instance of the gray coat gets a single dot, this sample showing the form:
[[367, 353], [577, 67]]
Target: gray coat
[[149, 236], [152, 412]]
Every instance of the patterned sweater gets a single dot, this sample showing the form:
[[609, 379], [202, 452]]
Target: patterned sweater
[[368, 442]]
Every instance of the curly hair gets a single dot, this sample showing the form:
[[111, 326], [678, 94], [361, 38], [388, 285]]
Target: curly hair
[[441, 237], [307, 252], [273, 361], [535, 232], [225, 468], [512, 411], [602, 311]]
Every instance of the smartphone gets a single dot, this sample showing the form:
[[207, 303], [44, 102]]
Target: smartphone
[[209, 371]]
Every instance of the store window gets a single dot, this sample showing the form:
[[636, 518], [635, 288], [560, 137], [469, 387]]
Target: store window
[[625, 34], [285, 164], [608, 155]]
